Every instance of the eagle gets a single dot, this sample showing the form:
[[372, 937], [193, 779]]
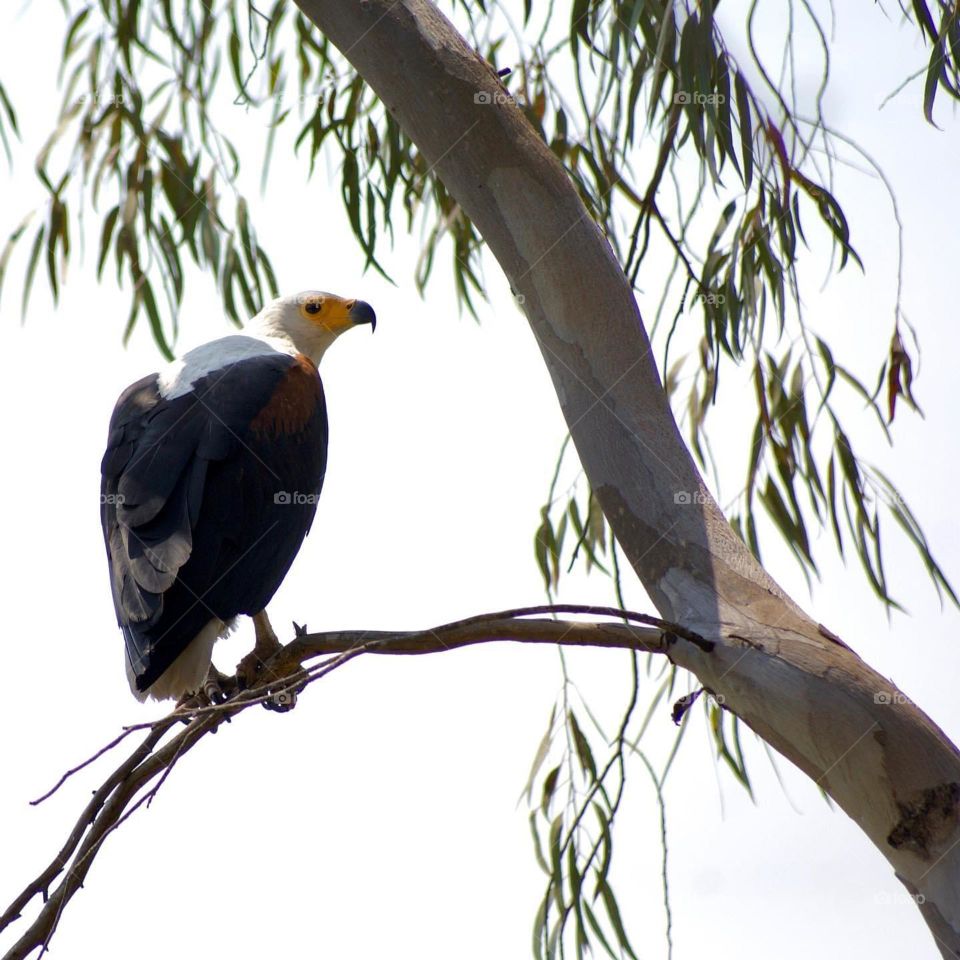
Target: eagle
[[210, 483]]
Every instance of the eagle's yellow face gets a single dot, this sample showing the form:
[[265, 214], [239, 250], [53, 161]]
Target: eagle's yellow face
[[334, 314]]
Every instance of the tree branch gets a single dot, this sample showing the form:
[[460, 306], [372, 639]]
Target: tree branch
[[489, 627], [128, 787]]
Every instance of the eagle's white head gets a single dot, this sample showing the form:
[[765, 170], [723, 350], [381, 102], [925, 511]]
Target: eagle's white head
[[311, 320]]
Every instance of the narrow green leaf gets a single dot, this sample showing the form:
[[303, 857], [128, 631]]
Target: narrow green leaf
[[613, 913], [55, 233], [537, 847], [32, 268], [10, 244], [582, 747], [8, 108], [935, 73], [542, 751], [549, 786], [746, 127], [153, 315], [106, 234]]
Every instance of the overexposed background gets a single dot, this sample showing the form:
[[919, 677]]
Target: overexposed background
[[381, 817]]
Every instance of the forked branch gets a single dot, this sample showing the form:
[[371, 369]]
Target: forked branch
[[137, 779]]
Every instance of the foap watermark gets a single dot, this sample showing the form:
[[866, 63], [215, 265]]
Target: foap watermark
[[318, 97], [684, 497], [294, 498], [115, 498], [686, 97], [710, 299], [890, 697], [102, 99], [485, 97], [887, 897], [282, 701], [689, 699]]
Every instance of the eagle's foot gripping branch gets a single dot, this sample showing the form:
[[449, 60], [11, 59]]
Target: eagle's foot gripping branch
[[254, 669], [218, 687]]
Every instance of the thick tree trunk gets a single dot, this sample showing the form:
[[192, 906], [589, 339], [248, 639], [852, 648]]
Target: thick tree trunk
[[798, 686]]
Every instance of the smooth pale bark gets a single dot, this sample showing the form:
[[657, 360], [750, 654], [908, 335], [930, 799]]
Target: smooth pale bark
[[885, 763]]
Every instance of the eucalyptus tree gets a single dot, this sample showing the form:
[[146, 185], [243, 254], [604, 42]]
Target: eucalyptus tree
[[578, 146]]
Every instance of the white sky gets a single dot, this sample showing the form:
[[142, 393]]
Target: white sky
[[380, 818]]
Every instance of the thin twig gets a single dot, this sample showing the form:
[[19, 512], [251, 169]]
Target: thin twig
[[80, 766]]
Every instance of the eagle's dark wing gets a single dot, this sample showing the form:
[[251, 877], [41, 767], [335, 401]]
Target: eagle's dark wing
[[206, 498]]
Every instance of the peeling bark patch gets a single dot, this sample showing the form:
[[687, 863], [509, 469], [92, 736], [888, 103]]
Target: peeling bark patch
[[639, 539], [927, 820]]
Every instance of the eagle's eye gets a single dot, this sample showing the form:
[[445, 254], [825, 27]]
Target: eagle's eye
[[313, 306]]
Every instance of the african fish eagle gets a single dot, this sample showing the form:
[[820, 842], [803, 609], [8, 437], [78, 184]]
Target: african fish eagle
[[210, 483]]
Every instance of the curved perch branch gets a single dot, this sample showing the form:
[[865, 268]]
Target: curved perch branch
[[129, 787]]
